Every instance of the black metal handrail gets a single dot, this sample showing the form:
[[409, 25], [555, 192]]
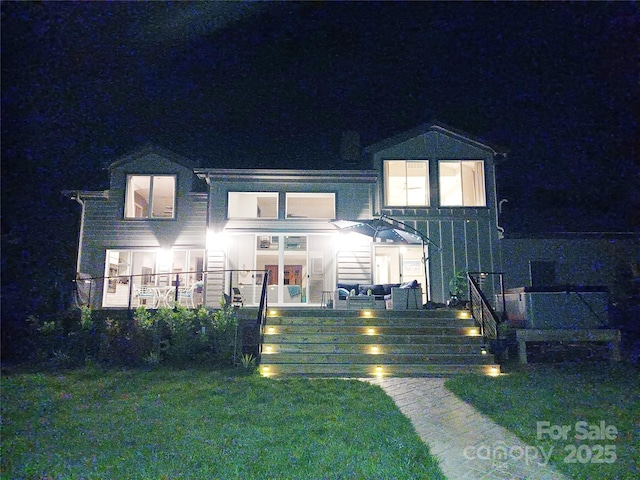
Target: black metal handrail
[[172, 277], [481, 309], [262, 313]]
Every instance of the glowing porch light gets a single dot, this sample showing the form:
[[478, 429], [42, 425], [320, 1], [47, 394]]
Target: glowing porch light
[[165, 258], [216, 240]]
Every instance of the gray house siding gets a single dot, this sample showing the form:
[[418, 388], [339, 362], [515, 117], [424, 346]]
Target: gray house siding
[[106, 228], [465, 238]]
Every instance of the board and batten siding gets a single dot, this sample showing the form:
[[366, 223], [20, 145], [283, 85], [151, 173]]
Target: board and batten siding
[[462, 238]]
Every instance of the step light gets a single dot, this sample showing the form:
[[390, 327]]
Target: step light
[[273, 313], [484, 350], [472, 332], [492, 371], [268, 349], [271, 331], [265, 371], [374, 350], [379, 372], [366, 313], [464, 314]]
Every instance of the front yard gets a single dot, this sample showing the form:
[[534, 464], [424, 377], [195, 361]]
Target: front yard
[[170, 424]]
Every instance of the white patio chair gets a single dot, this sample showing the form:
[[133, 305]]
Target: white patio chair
[[145, 295], [186, 296]]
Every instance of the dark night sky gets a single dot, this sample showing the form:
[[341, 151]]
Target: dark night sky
[[275, 84]]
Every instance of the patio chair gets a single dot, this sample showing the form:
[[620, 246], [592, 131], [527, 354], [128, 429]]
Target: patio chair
[[186, 294], [237, 300], [145, 295]]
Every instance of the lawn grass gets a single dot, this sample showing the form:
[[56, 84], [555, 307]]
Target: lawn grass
[[564, 395], [193, 424]]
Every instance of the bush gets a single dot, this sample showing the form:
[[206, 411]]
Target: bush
[[178, 336]]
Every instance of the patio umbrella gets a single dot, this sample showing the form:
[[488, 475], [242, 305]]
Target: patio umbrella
[[389, 229]]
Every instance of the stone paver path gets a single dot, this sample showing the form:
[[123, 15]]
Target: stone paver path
[[468, 444]]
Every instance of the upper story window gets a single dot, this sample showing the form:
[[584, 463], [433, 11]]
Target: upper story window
[[311, 205], [150, 196], [406, 183], [252, 205], [462, 183]]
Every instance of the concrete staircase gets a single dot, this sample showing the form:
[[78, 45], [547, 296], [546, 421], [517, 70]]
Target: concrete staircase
[[372, 343]]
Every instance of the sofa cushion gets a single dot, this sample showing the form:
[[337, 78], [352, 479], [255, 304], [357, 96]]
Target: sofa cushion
[[376, 290], [343, 293], [388, 286], [349, 287], [411, 284]]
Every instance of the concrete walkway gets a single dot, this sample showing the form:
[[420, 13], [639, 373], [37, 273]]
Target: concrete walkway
[[469, 445]]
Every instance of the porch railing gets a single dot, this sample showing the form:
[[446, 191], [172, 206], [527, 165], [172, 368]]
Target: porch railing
[[262, 314], [167, 287], [481, 309]]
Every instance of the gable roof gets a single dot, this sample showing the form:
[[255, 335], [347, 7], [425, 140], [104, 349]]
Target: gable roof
[[432, 127], [152, 149]]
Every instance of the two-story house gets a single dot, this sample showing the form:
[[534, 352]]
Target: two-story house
[[162, 222]]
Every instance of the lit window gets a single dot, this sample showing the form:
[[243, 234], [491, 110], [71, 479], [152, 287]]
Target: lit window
[[406, 183], [311, 205], [253, 205], [150, 196], [462, 183]]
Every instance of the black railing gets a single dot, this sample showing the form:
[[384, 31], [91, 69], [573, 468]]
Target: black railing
[[262, 313], [163, 289], [481, 309]]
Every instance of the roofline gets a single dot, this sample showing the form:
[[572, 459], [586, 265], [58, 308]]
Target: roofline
[[360, 176], [432, 127], [148, 149], [74, 194]]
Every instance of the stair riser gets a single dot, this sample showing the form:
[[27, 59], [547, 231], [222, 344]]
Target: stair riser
[[364, 330], [305, 339], [358, 371], [367, 349], [366, 321], [325, 358]]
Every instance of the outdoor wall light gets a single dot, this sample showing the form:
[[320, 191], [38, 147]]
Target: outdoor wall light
[[216, 240]]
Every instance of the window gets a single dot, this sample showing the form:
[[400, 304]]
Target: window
[[462, 183], [252, 205], [311, 205], [150, 196], [406, 183]]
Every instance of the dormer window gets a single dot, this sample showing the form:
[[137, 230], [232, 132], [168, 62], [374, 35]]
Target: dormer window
[[406, 183], [462, 183], [150, 196]]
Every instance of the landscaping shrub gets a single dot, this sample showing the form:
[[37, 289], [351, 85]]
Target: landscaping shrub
[[168, 335]]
